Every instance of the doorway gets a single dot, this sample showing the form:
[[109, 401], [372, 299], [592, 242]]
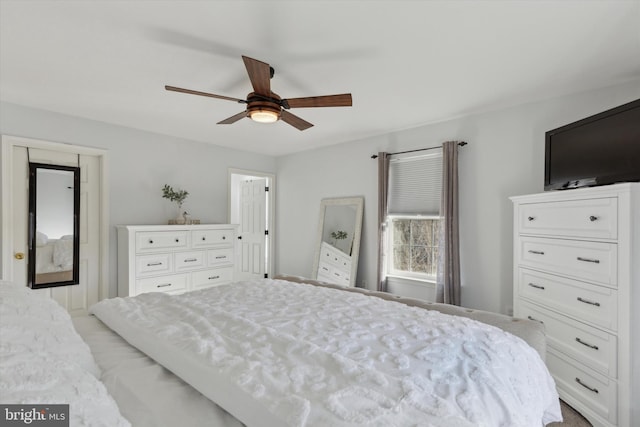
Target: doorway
[[94, 239], [251, 206]]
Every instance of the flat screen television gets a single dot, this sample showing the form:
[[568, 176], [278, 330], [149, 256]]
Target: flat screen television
[[598, 150]]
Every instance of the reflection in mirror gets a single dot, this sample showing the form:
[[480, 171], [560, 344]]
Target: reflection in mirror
[[338, 243], [54, 242]]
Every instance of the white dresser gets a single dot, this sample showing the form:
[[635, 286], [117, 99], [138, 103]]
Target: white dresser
[[174, 258], [577, 270], [334, 265]]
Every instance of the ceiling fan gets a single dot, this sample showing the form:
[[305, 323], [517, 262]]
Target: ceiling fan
[[267, 107]]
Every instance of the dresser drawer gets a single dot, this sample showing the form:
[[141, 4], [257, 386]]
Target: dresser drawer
[[335, 257], [590, 218], [593, 304], [595, 391], [590, 346], [211, 238], [185, 261], [331, 274], [212, 277], [219, 256], [170, 284], [160, 240], [589, 261], [155, 264]]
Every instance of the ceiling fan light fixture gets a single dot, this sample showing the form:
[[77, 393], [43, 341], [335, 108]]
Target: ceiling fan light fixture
[[264, 116]]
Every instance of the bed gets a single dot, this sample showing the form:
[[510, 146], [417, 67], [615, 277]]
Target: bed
[[277, 353], [54, 258]]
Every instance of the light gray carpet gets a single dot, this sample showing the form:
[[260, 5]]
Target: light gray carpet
[[571, 418]]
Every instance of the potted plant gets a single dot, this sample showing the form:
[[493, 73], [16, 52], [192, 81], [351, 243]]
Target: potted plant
[[338, 235], [177, 196]]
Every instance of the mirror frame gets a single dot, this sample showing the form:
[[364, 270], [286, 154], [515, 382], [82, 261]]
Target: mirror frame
[[33, 191], [355, 248]]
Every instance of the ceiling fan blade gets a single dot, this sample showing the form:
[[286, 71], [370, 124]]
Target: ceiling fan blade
[[294, 120], [210, 95], [342, 100], [233, 118], [259, 74]]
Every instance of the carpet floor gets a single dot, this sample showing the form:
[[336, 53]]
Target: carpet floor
[[572, 418]]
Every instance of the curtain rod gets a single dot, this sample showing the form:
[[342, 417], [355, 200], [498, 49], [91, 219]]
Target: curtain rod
[[461, 144]]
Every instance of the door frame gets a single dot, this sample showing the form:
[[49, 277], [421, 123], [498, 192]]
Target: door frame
[[233, 194], [9, 142]]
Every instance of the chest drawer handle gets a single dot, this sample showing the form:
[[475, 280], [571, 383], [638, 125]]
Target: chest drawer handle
[[595, 390], [536, 252], [190, 260], [586, 301], [164, 285], [595, 347], [593, 218], [595, 261], [531, 218], [221, 257], [534, 319], [214, 277], [533, 285], [153, 264]]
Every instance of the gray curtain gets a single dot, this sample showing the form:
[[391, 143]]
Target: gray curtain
[[383, 189], [448, 276]]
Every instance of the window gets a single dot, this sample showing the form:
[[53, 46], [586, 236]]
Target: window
[[415, 185], [414, 246]]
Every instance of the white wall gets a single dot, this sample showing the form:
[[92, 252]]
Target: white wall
[[140, 163], [505, 157]]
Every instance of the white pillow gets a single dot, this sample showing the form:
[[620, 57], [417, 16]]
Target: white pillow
[[41, 239]]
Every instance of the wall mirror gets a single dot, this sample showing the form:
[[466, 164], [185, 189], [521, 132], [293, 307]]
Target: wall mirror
[[338, 241], [54, 225]]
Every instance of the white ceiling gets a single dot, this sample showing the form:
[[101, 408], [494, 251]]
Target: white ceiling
[[407, 63]]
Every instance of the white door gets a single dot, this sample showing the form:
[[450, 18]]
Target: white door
[[251, 230], [75, 298]]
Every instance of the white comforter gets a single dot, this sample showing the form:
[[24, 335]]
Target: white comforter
[[44, 361], [279, 353]]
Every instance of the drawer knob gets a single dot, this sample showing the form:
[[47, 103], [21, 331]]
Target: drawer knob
[[593, 218], [595, 390], [531, 218], [204, 238], [595, 347], [150, 242], [177, 240], [586, 301], [224, 237], [534, 319]]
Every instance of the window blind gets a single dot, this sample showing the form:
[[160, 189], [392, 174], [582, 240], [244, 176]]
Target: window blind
[[415, 184]]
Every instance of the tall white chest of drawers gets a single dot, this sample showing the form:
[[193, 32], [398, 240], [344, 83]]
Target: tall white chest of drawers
[[174, 258], [577, 270]]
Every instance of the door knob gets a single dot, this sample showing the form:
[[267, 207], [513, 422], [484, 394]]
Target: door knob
[[19, 255]]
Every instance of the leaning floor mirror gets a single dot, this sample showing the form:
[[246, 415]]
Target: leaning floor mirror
[[54, 208], [338, 241]]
